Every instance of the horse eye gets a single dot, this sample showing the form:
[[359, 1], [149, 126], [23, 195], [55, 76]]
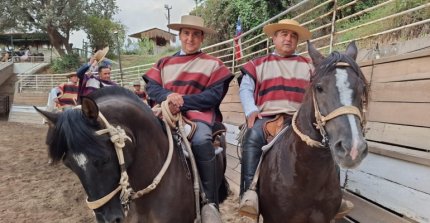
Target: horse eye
[[319, 88]]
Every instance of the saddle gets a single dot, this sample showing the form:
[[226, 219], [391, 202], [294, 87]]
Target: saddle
[[272, 127]]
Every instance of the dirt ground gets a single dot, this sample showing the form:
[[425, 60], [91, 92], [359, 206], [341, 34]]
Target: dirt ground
[[33, 191]]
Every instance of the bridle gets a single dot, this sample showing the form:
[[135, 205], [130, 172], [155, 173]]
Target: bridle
[[321, 120], [118, 138]]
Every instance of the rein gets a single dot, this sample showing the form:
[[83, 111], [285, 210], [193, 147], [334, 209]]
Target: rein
[[322, 120], [118, 138]]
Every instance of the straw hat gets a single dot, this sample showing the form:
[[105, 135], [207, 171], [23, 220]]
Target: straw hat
[[193, 22], [293, 25], [100, 54], [71, 75], [136, 83]]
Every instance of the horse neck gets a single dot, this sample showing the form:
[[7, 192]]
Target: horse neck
[[150, 153]]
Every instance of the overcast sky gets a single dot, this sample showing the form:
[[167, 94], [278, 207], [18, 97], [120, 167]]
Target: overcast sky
[[140, 15]]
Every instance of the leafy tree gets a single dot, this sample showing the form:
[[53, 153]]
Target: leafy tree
[[57, 18]]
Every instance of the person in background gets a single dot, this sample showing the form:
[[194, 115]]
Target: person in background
[[138, 91], [90, 81], [68, 96]]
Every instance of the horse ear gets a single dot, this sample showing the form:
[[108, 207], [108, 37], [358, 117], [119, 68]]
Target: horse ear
[[316, 56], [351, 50], [90, 108], [51, 117]]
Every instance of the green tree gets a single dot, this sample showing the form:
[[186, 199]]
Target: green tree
[[57, 18]]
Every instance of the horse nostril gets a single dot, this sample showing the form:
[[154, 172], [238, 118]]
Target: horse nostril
[[117, 220], [339, 149]]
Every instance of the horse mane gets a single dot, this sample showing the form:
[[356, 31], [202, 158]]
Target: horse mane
[[74, 132]]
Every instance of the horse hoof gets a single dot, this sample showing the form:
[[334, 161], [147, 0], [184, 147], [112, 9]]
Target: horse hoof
[[345, 207], [249, 205], [210, 214]]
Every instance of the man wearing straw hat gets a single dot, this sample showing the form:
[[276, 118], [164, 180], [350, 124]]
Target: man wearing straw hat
[[194, 83], [98, 75], [138, 91], [68, 93], [283, 76]]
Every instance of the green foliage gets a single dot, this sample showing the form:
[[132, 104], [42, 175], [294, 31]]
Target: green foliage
[[66, 63], [100, 33], [56, 18]]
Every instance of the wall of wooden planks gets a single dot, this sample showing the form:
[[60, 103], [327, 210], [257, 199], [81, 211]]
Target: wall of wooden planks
[[393, 182]]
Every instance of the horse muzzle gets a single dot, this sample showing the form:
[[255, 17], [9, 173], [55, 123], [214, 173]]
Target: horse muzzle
[[349, 153]]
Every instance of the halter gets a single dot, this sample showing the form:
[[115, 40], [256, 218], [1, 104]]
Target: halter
[[322, 120], [118, 138]]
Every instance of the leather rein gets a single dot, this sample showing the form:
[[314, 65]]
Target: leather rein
[[321, 120]]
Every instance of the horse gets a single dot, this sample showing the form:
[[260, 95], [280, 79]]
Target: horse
[[299, 176], [74, 138]]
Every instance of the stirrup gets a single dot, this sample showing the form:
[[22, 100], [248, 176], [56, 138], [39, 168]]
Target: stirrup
[[210, 214], [249, 205], [345, 207]]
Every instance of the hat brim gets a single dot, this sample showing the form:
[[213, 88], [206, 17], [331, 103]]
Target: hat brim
[[71, 75], [100, 54], [178, 26], [303, 33]]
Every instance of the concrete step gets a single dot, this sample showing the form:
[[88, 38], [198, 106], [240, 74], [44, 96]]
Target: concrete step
[[25, 114]]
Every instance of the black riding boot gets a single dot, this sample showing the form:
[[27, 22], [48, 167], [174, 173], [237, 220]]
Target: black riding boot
[[251, 153], [206, 165]]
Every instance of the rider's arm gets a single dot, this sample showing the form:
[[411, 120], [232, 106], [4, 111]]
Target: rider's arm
[[207, 99], [246, 93], [82, 70], [155, 91]]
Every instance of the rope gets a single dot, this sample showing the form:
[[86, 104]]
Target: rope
[[169, 119], [118, 138], [176, 121], [303, 137]]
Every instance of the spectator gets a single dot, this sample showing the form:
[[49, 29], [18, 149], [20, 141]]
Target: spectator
[[138, 91], [88, 81], [68, 93]]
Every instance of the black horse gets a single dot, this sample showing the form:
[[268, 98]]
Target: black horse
[[72, 138], [298, 182]]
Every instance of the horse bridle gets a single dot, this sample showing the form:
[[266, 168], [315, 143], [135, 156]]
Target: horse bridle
[[322, 120], [118, 138]]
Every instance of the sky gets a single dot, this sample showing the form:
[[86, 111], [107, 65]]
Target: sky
[[140, 15]]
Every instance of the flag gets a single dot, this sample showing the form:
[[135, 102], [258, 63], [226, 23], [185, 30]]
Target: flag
[[237, 40]]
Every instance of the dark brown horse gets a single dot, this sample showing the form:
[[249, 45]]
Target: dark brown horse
[[92, 157], [300, 183]]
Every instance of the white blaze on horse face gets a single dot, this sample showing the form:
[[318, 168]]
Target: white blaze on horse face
[[345, 94], [81, 160]]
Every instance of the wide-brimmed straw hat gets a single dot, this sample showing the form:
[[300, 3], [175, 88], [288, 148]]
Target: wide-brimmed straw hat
[[71, 75], [293, 25], [100, 54], [192, 22]]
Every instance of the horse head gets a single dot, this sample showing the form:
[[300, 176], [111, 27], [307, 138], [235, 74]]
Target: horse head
[[339, 92], [72, 139]]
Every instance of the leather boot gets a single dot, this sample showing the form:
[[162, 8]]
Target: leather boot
[[253, 141], [206, 165]]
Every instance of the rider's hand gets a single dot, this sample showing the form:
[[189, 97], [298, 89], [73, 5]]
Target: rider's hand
[[174, 109], [250, 120], [176, 99]]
